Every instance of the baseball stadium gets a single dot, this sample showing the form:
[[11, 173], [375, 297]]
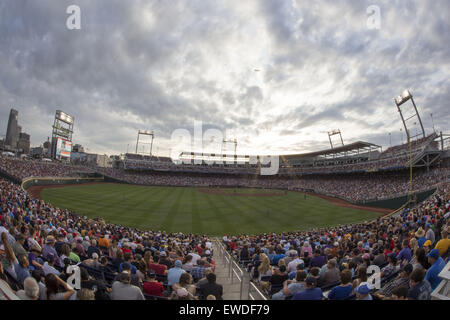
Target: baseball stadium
[[341, 219]]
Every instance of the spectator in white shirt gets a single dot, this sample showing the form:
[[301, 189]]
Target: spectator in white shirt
[[195, 257], [292, 266], [49, 266]]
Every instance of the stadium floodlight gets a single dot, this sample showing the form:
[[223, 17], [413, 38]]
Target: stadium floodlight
[[61, 115], [401, 99], [224, 142], [332, 133], [406, 94], [145, 133]]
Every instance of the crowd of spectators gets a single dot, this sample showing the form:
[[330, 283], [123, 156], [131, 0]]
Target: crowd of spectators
[[39, 244], [409, 248], [393, 157], [24, 168], [404, 149], [352, 187], [355, 188]]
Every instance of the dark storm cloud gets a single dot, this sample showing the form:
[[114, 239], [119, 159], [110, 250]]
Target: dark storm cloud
[[160, 65]]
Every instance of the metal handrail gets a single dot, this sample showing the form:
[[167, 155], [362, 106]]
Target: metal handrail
[[236, 271], [255, 288], [233, 268], [7, 293], [239, 276], [442, 290]]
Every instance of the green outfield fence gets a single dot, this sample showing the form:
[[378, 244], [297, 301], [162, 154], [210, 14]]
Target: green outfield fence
[[47, 181], [397, 202]]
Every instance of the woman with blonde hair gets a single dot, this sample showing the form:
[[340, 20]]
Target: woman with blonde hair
[[413, 244], [264, 270]]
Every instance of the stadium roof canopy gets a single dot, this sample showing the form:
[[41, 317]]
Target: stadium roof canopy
[[348, 150], [351, 149]]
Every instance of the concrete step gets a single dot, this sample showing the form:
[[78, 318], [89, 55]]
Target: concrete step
[[231, 291]]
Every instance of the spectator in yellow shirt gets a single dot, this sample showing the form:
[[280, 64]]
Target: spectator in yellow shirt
[[443, 244]]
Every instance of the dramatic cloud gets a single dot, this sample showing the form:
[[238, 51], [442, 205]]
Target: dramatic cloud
[[275, 75]]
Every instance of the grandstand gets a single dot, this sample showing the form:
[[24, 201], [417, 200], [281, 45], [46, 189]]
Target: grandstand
[[46, 240], [407, 242]]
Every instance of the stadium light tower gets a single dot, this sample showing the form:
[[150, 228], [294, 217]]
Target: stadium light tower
[[224, 142], [145, 133], [432, 121], [400, 100], [332, 133], [234, 141]]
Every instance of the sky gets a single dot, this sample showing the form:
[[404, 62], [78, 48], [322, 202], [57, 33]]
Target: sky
[[275, 75]]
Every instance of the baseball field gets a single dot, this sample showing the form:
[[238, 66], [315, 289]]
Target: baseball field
[[209, 211]]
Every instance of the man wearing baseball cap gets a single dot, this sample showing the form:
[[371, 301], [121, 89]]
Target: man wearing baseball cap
[[174, 274], [363, 292], [311, 292], [437, 264]]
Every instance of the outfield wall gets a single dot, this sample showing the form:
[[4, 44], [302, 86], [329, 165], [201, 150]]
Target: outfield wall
[[392, 203], [47, 181], [114, 180], [395, 203]]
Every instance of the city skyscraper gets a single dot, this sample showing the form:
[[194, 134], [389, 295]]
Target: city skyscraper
[[12, 132]]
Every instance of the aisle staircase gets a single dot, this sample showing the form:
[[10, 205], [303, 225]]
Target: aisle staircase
[[234, 279]]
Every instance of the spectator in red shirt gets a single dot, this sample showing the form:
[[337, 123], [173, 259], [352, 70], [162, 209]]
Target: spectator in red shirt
[[157, 268], [152, 286], [126, 248]]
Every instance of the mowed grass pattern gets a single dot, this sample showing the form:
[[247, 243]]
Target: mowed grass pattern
[[187, 210]]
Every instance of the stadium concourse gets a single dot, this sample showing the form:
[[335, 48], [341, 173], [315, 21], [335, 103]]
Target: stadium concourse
[[39, 242]]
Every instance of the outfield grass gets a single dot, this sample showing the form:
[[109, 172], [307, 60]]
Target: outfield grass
[[188, 210]]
